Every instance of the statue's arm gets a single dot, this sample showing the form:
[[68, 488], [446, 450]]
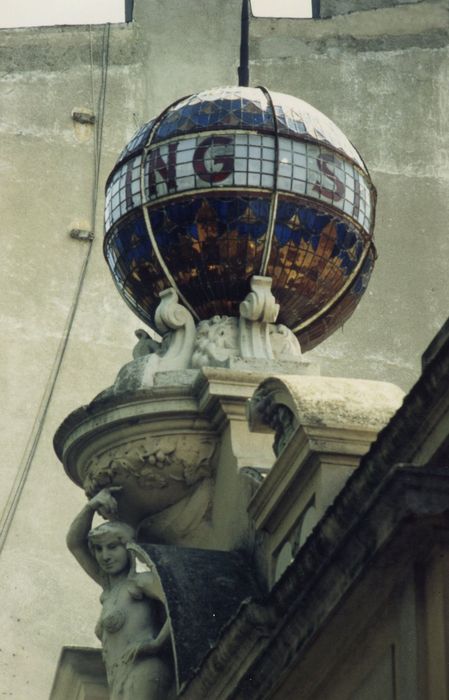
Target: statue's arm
[[149, 647], [77, 542], [156, 645], [150, 586], [104, 503]]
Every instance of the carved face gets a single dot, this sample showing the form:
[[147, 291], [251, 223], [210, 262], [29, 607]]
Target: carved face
[[111, 555]]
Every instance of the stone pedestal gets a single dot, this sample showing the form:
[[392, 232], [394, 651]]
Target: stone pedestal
[[172, 431], [181, 450], [170, 450]]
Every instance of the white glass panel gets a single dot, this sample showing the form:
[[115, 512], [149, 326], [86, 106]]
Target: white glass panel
[[186, 183], [253, 180], [301, 9], [299, 186], [240, 178], [284, 183], [254, 139], [240, 164], [255, 152], [254, 166]]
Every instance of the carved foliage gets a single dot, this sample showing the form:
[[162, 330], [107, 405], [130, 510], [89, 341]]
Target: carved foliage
[[216, 341], [154, 462], [284, 343]]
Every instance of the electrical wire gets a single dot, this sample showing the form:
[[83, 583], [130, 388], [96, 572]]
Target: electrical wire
[[38, 426]]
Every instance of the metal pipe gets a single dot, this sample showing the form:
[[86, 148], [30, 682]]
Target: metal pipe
[[243, 70]]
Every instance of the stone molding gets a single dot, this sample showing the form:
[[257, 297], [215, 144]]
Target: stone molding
[[164, 446], [250, 658], [153, 443], [80, 674], [152, 461], [330, 401], [318, 427]]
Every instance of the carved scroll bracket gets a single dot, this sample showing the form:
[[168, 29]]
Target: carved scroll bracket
[[177, 327], [260, 304], [214, 342], [257, 312]]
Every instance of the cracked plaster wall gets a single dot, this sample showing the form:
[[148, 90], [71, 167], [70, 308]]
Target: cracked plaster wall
[[331, 8]]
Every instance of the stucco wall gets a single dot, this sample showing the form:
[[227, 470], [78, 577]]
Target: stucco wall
[[47, 178], [381, 75], [331, 8]]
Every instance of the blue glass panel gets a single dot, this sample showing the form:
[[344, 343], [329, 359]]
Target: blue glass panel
[[364, 275], [137, 142], [220, 112]]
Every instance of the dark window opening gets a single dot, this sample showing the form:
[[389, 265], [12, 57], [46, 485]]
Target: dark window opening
[[129, 10]]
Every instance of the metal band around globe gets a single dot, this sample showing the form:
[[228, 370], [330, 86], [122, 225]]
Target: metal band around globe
[[340, 293], [157, 252], [274, 196]]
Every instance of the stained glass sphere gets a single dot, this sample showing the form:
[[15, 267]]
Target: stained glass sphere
[[235, 182]]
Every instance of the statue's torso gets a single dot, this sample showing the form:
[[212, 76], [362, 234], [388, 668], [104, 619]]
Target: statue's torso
[[127, 618]]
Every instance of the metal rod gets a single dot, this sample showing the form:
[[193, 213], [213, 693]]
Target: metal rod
[[274, 192], [243, 70], [146, 216]]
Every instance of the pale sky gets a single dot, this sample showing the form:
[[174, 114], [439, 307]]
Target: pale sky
[[32, 13], [282, 8]]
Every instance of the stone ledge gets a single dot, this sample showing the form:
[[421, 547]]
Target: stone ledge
[[80, 673]]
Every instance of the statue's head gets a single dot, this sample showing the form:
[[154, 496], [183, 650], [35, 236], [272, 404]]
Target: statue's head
[[107, 543]]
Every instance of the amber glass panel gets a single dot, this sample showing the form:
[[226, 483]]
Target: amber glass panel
[[135, 269], [212, 245], [340, 312], [312, 256]]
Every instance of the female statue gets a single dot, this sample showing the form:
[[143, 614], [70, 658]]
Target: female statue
[[131, 628]]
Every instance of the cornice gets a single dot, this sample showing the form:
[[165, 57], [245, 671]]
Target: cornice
[[250, 657]]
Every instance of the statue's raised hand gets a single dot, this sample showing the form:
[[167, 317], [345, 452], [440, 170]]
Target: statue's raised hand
[[105, 503]]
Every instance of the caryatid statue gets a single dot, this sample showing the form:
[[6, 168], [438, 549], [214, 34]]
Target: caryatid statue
[[133, 627]]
